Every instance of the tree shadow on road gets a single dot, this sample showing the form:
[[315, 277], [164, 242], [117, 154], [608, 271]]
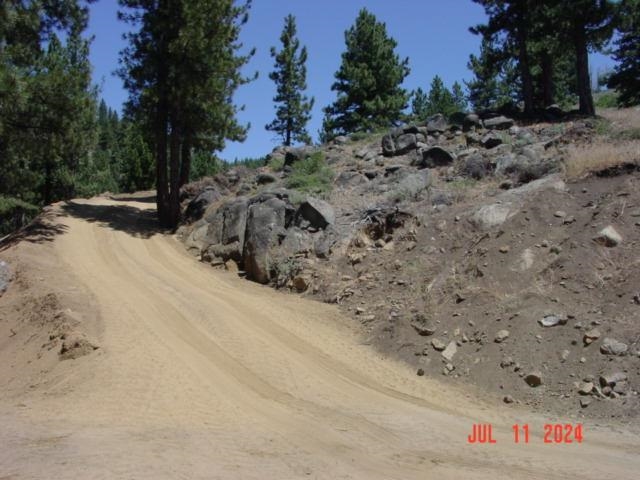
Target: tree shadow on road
[[151, 198], [43, 228], [137, 222]]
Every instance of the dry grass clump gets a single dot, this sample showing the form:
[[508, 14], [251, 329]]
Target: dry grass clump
[[583, 160], [622, 117]]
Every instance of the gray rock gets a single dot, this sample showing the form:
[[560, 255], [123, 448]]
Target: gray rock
[[317, 212], [265, 222], [324, 242], [491, 140], [295, 154], [405, 143], [423, 330], [501, 336], [475, 166], [438, 344], [435, 157], [235, 221], [388, 145], [608, 237], [610, 379], [585, 402], [450, 351], [591, 336], [552, 320], [621, 388], [196, 207], [410, 186], [295, 242], [491, 216], [533, 379], [341, 140], [265, 178], [508, 399], [585, 388], [350, 179], [5, 276], [611, 346], [470, 121], [498, 123], [437, 124]]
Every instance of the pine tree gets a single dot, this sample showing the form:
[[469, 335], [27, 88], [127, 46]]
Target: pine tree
[[419, 105], [586, 25], [181, 68], [47, 120], [626, 75], [293, 108], [459, 99], [368, 82], [439, 99]]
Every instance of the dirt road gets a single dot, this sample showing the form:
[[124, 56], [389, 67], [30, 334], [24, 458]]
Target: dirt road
[[201, 375]]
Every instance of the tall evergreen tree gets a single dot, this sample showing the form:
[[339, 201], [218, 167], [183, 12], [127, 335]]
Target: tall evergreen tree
[[419, 105], [459, 99], [439, 99], [587, 26], [496, 82], [368, 82], [182, 67], [509, 31], [293, 108], [626, 75], [46, 99]]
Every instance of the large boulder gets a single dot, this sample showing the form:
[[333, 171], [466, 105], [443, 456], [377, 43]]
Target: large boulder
[[265, 225], [498, 123], [475, 166], [235, 222], [388, 145], [405, 143], [350, 179], [196, 207], [295, 154], [315, 213], [491, 216], [471, 121], [434, 157], [437, 123], [410, 185]]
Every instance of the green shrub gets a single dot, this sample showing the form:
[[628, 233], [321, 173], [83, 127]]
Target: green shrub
[[311, 175], [606, 100], [15, 213], [276, 164]]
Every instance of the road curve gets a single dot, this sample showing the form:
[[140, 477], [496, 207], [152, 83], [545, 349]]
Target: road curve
[[201, 375]]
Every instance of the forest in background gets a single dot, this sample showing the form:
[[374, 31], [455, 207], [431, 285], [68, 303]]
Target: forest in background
[[182, 65]]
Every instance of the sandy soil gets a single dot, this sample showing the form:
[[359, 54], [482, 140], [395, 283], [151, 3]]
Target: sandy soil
[[201, 375]]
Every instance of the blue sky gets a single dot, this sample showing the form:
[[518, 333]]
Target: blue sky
[[432, 33]]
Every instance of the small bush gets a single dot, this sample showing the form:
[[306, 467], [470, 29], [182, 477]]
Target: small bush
[[15, 213], [606, 100], [311, 175], [276, 164]]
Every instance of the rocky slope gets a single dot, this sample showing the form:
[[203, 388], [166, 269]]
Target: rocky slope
[[461, 249]]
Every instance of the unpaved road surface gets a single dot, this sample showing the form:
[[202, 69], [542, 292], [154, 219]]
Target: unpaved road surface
[[201, 375]]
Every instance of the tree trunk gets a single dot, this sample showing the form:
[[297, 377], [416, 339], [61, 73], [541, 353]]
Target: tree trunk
[[185, 165], [547, 79], [48, 182], [162, 186], [525, 71], [174, 176], [582, 70]]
